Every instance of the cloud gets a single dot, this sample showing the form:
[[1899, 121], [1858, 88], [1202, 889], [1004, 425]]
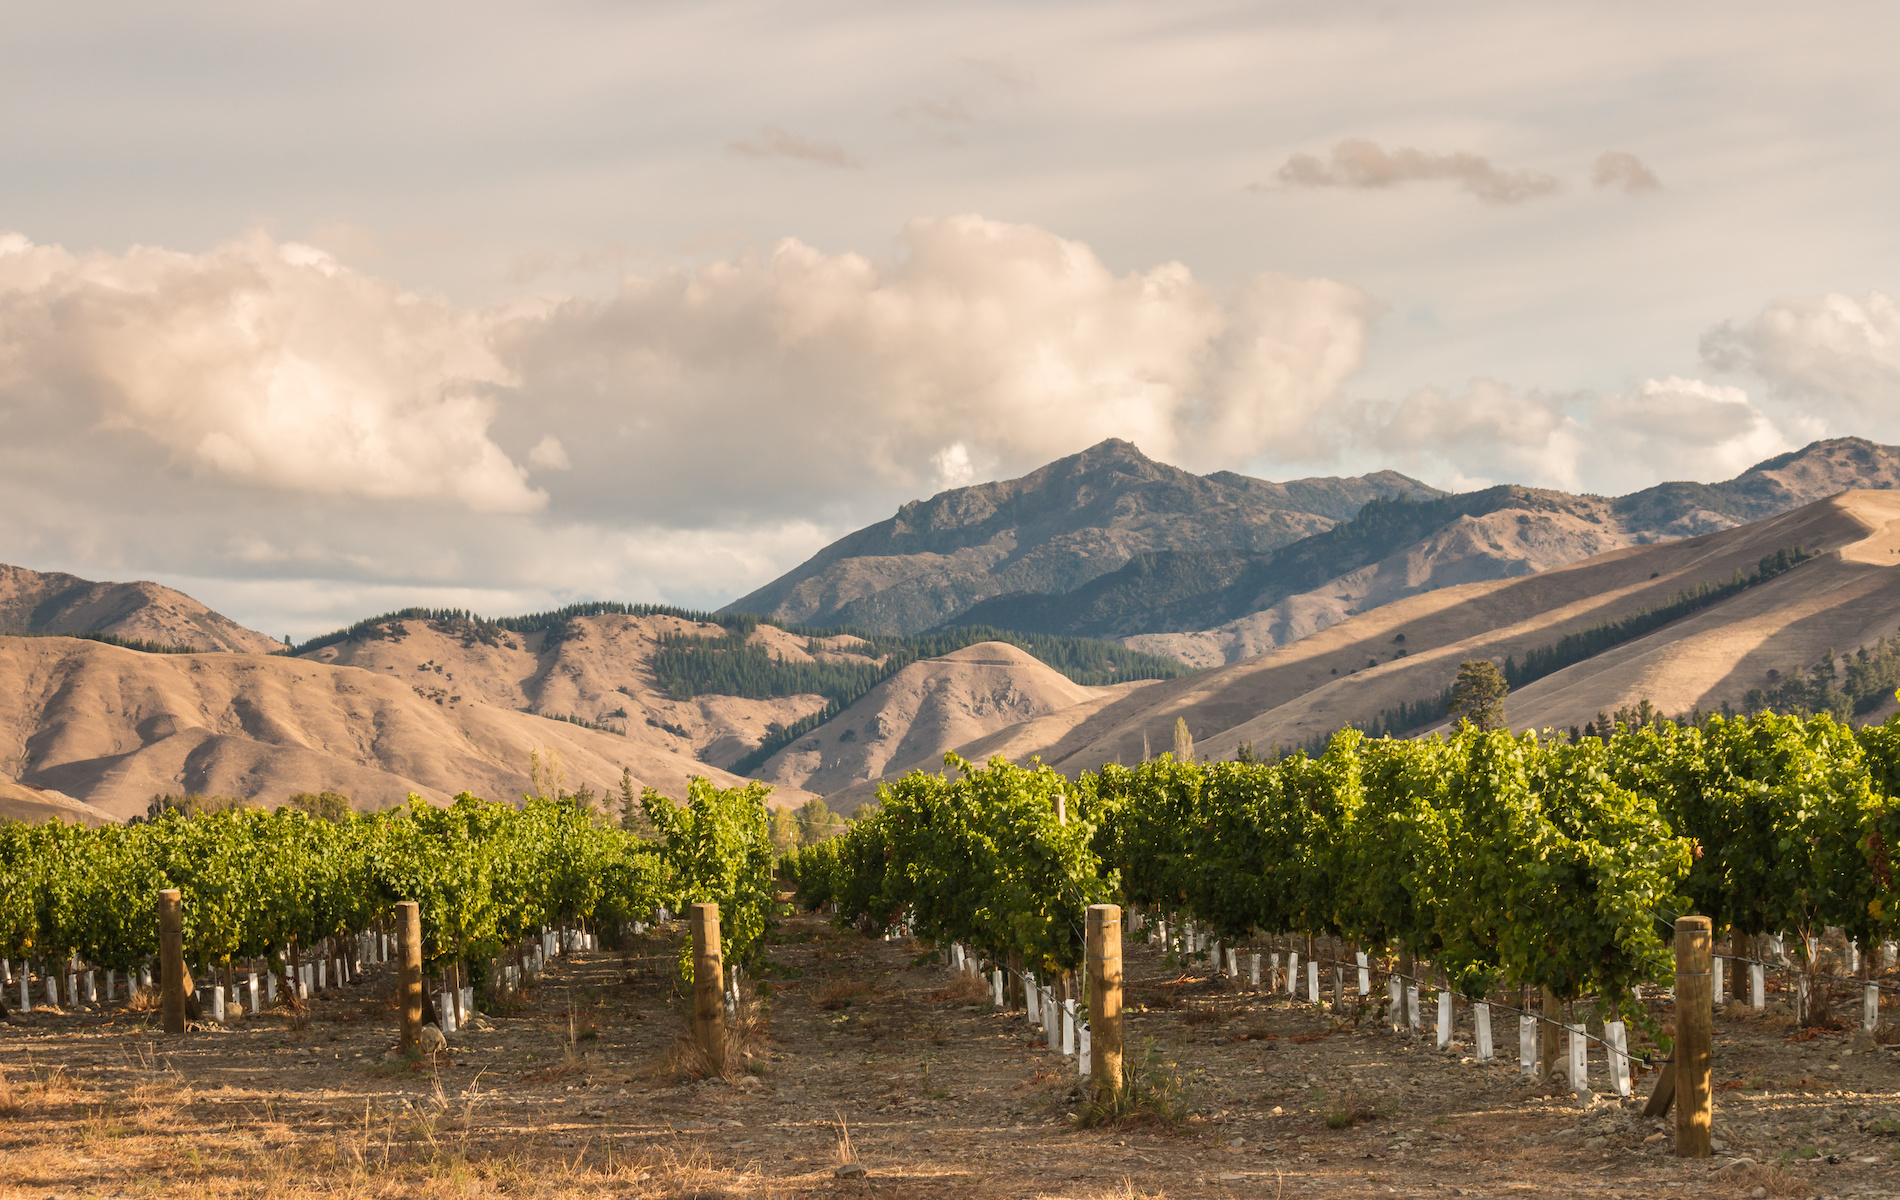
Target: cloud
[[261, 362], [1664, 429], [1363, 165], [815, 379], [1488, 434], [773, 142], [942, 112], [1618, 169], [549, 455], [954, 468], [942, 121], [1675, 428], [262, 412], [1001, 73], [1837, 354]]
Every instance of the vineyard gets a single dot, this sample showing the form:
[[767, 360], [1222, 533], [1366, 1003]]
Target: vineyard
[[1489, 864], [287, 891], [1266, 903]]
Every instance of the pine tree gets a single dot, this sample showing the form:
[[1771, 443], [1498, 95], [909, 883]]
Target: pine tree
[[1478, 695]]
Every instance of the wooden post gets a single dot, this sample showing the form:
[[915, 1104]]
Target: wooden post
[[1695, 1020], [1408, 968], [1549, 1030], [1105, 996], [709, 1007], [409, 973], [171, 959]]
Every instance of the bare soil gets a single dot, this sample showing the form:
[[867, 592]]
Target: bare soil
[[586, 1091]]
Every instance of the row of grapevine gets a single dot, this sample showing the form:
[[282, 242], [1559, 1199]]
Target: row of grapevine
[[1504, 860], [485, 875]]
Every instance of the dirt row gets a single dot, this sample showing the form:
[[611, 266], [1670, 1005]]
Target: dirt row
[[875, 1053]]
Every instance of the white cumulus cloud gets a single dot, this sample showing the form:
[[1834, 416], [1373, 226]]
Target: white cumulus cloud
[[1836, 356], [261, 362], [1664, 429], [838, 375]]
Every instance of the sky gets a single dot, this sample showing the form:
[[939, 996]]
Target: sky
[[315, 311]]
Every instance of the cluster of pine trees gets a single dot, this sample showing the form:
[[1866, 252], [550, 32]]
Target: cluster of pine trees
[[1850, 685]]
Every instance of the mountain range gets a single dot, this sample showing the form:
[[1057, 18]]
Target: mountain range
[[1049, 532], [1308, 606], [1108, 543]]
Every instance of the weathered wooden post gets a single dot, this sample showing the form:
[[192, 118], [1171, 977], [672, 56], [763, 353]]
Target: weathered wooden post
[[1549, 1032], [171, 959], [1105, 996], [409, 973], [709, 1008], [1695, 1021]]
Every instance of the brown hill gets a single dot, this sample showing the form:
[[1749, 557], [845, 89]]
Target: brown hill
[[1047, 532], [597, 668], [1409, 650], [114, 726], [1523, 531], [927, 708], [23, 802], [53, 602]]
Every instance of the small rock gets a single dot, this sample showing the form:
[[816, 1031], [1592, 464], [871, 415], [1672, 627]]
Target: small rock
[[1759, 1193], [431, 1040], [1653, 1138], [1717, 1145], [850, 1171], [1595, 1143]]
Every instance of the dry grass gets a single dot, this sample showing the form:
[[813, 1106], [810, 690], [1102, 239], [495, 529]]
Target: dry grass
[[1151, 1093], [1742, 1181], [746, 1033], [838, 993], [1126, 1190], [846, 1152], [964, 989], [12, 1103]]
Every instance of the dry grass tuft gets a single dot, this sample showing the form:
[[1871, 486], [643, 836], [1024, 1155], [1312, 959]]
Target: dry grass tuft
[[746, 1033], [1743, 1181], [964, 989], [1151, 1093], [847, 1153], [835, 994]]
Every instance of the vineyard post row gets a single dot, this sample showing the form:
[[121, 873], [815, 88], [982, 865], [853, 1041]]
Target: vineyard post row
[[1686, 1083], [1543, 864]]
